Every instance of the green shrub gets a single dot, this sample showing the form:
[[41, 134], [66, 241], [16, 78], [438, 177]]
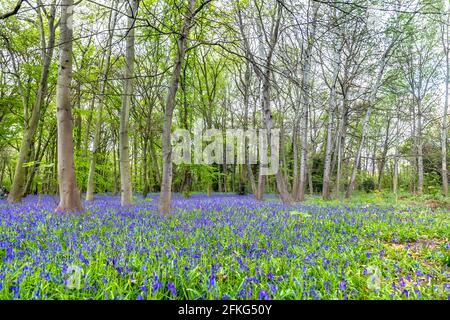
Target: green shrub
[[186, 193], [368, 185]]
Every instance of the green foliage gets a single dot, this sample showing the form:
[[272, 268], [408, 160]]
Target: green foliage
[[186, 194], [446, 259], [299, 214], [368, 185]]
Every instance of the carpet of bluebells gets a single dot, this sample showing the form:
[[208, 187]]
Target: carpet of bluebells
[[222, 247]]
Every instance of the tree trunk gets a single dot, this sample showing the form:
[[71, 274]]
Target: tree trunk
[[18, 184], [166, 183], [340, 144], [267, 112], [260, 187], [155, 162], [371, 103], [331, 108], [310, 179], [300, 196], [78, 123], [280, 181], [126, 194], [2, 172], [68, 191], [445, 37], [305, 92], [145, 188], [384, 154], [248, 165], [395, 177], [295, 148], [88, 127], [420, 173], [90, 189], [38, 158], [115, 184]]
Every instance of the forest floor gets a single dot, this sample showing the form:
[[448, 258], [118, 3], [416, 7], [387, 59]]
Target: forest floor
[[374, 246]]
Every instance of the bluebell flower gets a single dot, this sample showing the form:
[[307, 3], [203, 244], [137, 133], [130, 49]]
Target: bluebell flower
[[171, 288], [155, 284], [15, 290], [241, 293], [273, 288], [263, 295], [342, 285]]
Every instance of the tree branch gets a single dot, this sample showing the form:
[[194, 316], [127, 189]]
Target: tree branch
[[13, 12]]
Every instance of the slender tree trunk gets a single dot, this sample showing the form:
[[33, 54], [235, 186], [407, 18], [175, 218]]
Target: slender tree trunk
[[300, 196], [2, 172], [284, 163], [18, 184], [305, 92], [351, 185], [90, 189], [304, 106], [445, 37], [372, 157], [39, 156], [330, 111], [420, 173], [384, 154], [267, 113], [166, 183], [88, 127], [224, 165], [155, 162], [371, 103], [34, 156], [115, 184], [395, 177], [68, 192], [295, 148], [78, 120], [280, 181], [340, 144], [126, 194], [145, 169], [248, 166]]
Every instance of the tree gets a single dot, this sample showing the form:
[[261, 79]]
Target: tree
[[332, 101], [371, 101], [126, 194], [305, 100], [445, 44], [47, 45], [419, 63], [68, 192], [267, 41], [104, 75], [166, 183]]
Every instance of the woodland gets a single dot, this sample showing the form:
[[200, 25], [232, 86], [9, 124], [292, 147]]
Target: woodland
[[92, 201]]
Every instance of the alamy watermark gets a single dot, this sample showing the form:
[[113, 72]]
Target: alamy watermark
[[374, 277], [230, 146], [74, 279]]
